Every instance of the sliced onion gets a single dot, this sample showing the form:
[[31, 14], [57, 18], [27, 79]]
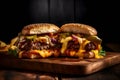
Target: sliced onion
[[74, 37], [53, 40]]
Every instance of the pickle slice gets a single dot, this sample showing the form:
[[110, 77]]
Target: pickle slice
[[94, 39]]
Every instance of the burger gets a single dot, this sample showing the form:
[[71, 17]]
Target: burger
[[36, 41], [80, 40], [45, 40]]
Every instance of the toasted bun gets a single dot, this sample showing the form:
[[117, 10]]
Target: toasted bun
[[39, 28], [78, 28]]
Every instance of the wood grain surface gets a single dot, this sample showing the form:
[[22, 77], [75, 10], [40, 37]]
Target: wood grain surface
[[70, 66]]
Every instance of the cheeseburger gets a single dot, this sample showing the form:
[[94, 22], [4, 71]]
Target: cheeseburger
[[36, 41], [80, 40]]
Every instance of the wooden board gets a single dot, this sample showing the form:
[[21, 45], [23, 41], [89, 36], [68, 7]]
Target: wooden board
[[70, 66]]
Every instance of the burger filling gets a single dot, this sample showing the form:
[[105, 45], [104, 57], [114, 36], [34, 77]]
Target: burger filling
[[79, 45], [62, 44], [38, 46]]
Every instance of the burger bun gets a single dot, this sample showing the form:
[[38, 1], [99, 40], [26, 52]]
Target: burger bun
[[78, 28], [40, 28]]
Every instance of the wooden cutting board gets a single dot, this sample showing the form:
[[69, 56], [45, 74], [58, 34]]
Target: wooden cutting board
[[70, 66]]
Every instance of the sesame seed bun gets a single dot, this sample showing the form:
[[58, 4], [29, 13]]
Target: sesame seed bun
[[39, 28], [78, 28]]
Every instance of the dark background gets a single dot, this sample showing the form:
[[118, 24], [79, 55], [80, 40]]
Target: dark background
[[101, 14]]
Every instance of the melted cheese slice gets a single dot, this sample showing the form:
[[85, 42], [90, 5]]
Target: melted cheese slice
[[97, 56], [81, 49], [65, 42], [42, 53]]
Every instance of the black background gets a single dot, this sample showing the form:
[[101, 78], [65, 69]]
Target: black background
[[101, 14]]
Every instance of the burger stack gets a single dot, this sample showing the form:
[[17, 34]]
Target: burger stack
[[44, 40]]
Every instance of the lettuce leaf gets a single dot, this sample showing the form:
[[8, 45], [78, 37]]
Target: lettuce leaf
[[102, 52]]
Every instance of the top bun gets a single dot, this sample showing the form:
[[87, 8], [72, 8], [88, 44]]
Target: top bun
[[39, 28], [78, 28]]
